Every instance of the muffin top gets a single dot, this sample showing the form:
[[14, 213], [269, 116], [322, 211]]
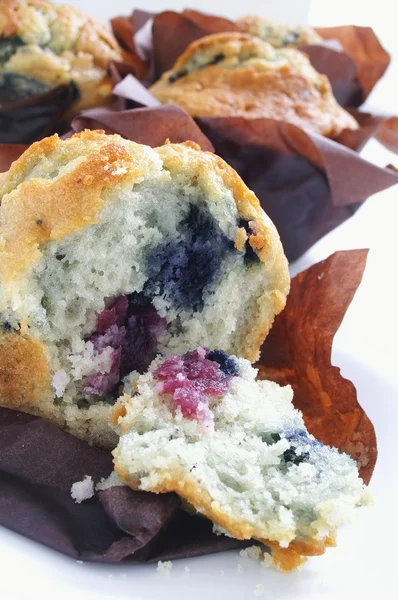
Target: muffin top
[[279, 35], [55, 28], [44, 45], [237, 75]]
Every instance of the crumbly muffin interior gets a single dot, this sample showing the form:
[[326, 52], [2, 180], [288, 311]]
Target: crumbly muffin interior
[[157, 273], [243, 457]]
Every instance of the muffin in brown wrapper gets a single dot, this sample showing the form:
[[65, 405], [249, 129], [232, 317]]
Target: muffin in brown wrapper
[[308, 185], [54, 62], [39, 462], [237, 75], [353, 72]]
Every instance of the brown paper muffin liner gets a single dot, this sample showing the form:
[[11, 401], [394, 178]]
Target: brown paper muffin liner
[[39, 462], [25, 121], [363, 46]]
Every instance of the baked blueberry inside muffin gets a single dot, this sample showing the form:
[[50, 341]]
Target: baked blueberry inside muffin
[[43, 45], [235, 449], [112, 252], [237, 75], [14, 87]]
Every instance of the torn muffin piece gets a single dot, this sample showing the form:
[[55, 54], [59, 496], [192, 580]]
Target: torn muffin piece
[[279, 35], [237, 451], [44, 45], [237, 75], [112, 252]]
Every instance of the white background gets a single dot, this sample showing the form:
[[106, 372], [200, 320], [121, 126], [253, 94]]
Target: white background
[[363, 565], [293, 11]]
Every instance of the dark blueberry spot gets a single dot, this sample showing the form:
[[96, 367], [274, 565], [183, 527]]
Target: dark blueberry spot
[[133, 332], [8, 47], [217, 58], [7, 326], [290, 455], [245, 224], [250, 254], [75, 91], [143, 328], [228, 365], [182, 269], [14, 87], [39, 222], [298, 437], [138, 298], [60, 256], [175, 76], [290, 38]]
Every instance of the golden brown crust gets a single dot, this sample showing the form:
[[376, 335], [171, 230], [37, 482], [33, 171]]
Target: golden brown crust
[[25, 378], [253, 80], [43, 209], [191, 491]]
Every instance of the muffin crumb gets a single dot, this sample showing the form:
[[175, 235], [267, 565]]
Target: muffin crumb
[[82, 490], [164, 566]]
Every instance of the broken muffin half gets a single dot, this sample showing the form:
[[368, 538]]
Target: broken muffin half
[[237, 451], [112, 252]]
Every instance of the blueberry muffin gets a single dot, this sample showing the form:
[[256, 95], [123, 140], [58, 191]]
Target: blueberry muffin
[[237, 75], [43, 45], [111, 252], [277, 34], [237, 451]]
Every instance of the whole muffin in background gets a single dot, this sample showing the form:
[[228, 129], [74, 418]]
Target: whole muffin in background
[[238, 75], [43, 45], [279, 35]]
